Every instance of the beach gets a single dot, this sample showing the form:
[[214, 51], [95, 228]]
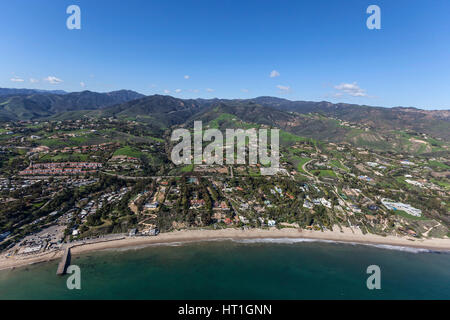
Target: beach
[[347, 235]]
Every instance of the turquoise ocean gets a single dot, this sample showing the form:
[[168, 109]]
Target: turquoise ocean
[[247, 269]]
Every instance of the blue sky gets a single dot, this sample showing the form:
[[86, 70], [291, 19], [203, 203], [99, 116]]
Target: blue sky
[[320, 50]]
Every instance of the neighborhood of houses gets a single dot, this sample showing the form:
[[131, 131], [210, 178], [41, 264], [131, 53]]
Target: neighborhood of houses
[[55, 168]]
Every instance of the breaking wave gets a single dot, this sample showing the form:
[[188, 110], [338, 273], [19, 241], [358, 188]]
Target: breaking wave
[[309, 240]]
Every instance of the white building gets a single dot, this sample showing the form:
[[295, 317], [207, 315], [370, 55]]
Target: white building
[[415, 183], [308, 204], [391, 205], [325, 203]]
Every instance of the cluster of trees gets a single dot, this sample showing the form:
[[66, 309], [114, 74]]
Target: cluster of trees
[[118, 212]]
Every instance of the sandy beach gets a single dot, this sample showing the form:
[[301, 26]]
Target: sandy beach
[[347, 235]]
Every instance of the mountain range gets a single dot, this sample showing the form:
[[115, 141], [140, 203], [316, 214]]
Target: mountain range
[[377, 127], [29, 105]]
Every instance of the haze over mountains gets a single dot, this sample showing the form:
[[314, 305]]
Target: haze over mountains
[[13, 91]]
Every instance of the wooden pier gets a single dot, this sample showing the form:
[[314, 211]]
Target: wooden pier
[[65, 260]]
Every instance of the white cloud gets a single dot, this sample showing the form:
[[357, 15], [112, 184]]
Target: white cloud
[[186, 77], [209, 90], [82, 84], [17, 79], [53, 80], [244, 90], [32, 80], [351, 89], [178, 90], [166, 91], [274, 74], [284, 89]]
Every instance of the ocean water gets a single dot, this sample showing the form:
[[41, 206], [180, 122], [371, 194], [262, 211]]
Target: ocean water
[[253, 269]]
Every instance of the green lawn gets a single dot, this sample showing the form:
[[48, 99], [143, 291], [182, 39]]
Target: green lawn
[[188, 168], [253, 172], [408, 216], [338, 164], [443, 184], [287, 137], [78, 140], [65, 157], [302, 161], [438, 164], [128, 151], [325, 173], [52, 143]]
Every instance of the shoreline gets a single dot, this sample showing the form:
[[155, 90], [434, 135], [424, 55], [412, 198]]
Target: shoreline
[[348, 236]]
